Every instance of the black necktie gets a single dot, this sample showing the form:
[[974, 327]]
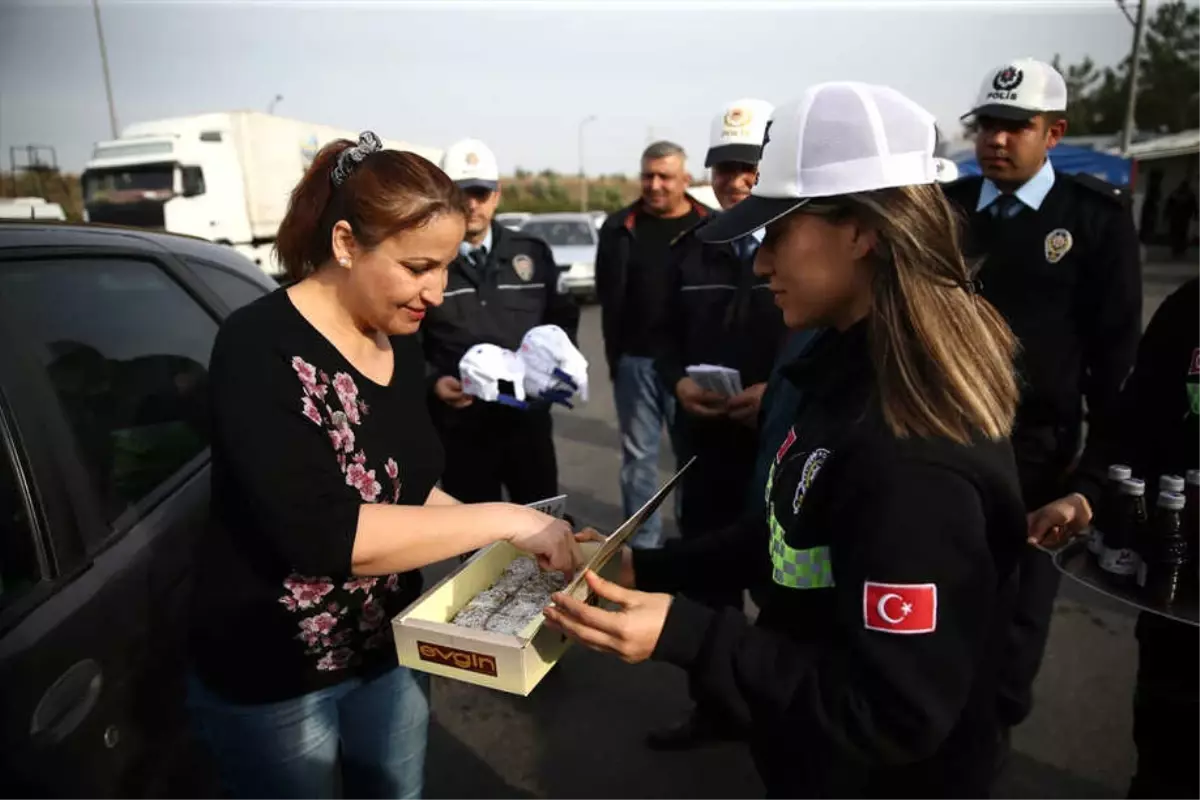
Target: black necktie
[[1006, 206], [478, 256]]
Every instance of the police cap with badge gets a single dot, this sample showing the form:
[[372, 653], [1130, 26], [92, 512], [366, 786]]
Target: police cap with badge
[[737, 132]]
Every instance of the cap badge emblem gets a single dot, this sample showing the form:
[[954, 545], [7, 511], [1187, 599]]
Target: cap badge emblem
[[1058, 244], [471, 159], [738, 117], [1007, 79], [523, 266]]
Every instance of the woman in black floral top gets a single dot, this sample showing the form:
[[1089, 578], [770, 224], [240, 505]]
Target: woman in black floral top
[[324, 503]]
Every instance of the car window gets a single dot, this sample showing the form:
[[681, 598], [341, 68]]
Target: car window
[[578, 234], [18, 558], [235, 290], [126, 350]]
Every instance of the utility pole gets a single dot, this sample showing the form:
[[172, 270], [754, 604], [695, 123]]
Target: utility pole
[[583, 185], [112, 111], [1135, 58]]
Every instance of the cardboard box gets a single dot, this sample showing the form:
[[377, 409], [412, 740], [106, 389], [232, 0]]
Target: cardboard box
[[427, 641]]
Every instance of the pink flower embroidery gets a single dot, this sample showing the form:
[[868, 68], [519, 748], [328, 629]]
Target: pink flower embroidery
[[362, 406], [372, 615], [392, 584], [324, 376], [335, 659], [360, 584], [314, 629], [341, 434], [306, 371], [343, 384], [310, 410], [360, 457], [347, 393], [391, 468], [305, 592], [363, 480]]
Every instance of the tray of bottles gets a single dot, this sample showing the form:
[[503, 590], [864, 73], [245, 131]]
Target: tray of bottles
[[1076, 562]]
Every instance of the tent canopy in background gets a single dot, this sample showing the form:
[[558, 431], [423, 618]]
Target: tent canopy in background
[[1073, 160]]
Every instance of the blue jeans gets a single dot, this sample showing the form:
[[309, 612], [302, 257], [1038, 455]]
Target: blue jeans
[[644, 406], [360, 738]]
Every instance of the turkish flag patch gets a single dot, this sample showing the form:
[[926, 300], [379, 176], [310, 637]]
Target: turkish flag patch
[[900, 607]]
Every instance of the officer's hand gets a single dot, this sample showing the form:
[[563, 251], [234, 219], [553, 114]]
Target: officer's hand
[[698, 401], [1054, 524], [631, 633], [546, 538], [449, 390], [744, 407]]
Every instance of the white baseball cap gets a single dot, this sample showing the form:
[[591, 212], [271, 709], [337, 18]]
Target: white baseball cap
[[947, 170], [472, 165], [484, 366], [1019, 90], [836, 139], [737, 132], [554, 368]]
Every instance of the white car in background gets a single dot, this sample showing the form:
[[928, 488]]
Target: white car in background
[[513, 220], [573, 239]]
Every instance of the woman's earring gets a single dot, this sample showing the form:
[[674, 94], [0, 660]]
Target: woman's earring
[[345, 262]]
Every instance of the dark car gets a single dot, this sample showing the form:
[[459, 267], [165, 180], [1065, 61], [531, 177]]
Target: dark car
[[105, 336]]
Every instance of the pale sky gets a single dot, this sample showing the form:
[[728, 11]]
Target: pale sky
[[519, 75]]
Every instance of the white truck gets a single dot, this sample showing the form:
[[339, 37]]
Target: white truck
[[225, 177]]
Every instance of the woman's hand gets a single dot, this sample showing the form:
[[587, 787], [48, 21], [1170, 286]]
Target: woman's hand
[[630, 633], [548, 539], [1054, 524], [625, 575]]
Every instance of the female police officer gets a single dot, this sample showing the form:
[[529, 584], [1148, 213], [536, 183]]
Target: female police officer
[[893, 511]]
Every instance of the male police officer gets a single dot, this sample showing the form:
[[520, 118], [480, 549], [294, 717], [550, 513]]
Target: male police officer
[[501, 285], [1060, 261], [717, 312]]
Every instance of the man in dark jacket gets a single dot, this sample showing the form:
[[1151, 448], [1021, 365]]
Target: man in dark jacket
[[1059, 259], [1160, 412], [501, 285], [632, 284], [718, 313]]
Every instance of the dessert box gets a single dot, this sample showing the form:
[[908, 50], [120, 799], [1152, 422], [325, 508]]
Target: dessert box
[[426, 640]]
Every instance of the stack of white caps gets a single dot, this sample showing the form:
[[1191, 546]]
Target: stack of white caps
[[483, 368], [555, 370]]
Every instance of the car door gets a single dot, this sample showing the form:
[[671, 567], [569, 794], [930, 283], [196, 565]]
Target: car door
[[103, 377]]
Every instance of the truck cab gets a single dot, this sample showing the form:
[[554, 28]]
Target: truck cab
[[181, 176]]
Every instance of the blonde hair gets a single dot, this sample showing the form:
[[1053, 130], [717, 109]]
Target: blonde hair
[[943, 356]]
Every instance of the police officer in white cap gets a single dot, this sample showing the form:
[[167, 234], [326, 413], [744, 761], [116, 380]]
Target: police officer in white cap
[[718, 313], [1060, 261], [501, 285]]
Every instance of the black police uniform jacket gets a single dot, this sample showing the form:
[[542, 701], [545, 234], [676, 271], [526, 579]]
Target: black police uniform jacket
[[519, 288], [1159, 404], [887, 574], [718, 312], [1067, 278]]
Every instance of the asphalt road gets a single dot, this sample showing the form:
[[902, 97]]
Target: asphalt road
[[580, 733]]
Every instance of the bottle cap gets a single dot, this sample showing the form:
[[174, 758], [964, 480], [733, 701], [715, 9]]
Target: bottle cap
[[1133, 486], [1170, 483], [1119, 472], [1172, 501], [1193, 477]]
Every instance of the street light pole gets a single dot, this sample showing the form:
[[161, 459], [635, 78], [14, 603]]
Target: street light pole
[[1134, 63], [112, 111], [271, 105], [583, 186]]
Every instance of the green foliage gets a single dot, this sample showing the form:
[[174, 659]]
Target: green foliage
[[1168, 79]]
